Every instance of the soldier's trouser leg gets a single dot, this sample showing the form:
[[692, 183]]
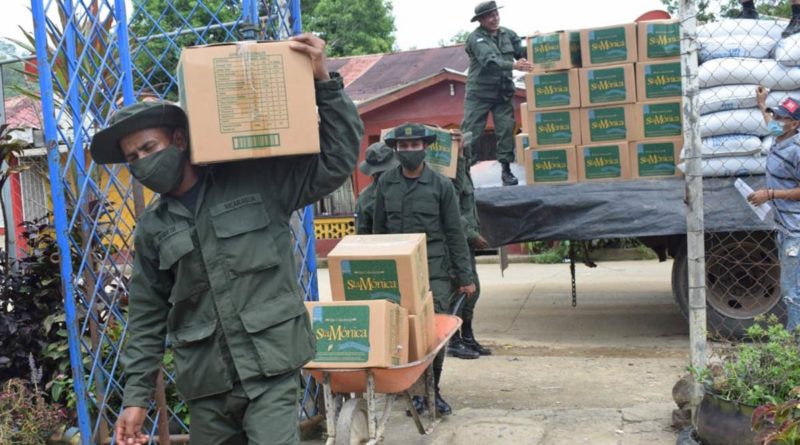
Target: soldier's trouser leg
[[233, 419], [441, 305], [475, 115], [467, 311], [503, 116]]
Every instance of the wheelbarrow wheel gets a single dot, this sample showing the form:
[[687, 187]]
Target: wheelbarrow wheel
[[352, 427]]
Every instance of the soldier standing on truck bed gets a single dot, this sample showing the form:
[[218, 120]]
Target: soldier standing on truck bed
[[749, 12]]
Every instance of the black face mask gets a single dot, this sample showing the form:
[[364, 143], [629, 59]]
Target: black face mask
[[410, 160], [161, 172]]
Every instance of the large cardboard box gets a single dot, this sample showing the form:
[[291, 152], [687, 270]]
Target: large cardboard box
[[376, 267], [608, 85], [657, 81], [659, 40], [521, 142], [422, 331], [523, 116], [610, 45], [604, 124], [358, 334], [657, 120], [603, 162], [557, 165], [557, 127], [442, 154], [560, 50], [248, 100], [655, 158], [553, 90]]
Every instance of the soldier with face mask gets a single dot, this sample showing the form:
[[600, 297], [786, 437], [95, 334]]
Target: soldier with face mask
[[211, 275], [378, 158], [413, 198]]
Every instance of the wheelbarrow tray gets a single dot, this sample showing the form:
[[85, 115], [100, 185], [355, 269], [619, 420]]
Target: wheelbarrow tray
[[394, 379]]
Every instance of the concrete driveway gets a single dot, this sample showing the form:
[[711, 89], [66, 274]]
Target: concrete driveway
[[599, 373]]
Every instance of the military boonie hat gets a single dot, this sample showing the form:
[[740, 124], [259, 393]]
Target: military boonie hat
[[484, 8], [409, 132], [105, 147], [788, 108], [378, 158]]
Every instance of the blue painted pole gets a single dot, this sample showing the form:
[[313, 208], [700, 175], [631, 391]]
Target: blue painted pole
[[311, 252], [60, 216], [297, 19], [123, 46]]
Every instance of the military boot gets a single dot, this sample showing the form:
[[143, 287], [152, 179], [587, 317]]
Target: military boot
[[442, 407], [468, 339], [456, 348], [420, 404], [508, 177], [748, 13], [793, 27]]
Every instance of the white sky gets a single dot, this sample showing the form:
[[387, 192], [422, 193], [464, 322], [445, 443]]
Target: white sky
[[423, 23]]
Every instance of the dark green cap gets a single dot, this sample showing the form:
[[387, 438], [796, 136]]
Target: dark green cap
[[105, 147], [378, 158], [409, 132], [484, 8]]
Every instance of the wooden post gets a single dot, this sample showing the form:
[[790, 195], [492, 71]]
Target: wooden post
[[695, 243]]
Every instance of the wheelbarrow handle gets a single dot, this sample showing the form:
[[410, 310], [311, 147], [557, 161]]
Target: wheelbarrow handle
[[455, 307]]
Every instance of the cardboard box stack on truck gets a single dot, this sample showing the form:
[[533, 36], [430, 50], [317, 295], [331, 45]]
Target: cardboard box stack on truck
[[602, 144]]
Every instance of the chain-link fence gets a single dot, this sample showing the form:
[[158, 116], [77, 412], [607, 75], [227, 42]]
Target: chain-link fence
[[93, 57], [736, 54]]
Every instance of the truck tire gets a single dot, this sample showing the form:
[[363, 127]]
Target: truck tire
[[742, 282]]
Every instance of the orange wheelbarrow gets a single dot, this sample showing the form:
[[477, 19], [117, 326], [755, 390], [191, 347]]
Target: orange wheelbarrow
[[358, 421]]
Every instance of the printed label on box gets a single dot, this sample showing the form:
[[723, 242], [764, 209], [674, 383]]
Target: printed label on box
[[440, 151], [663, 40], [662, 120], [607, 85], [607, 124], [602, 162], [575, 48], [551, 90], [607, 45], [342, 333], [662, 80], [656, 159], [550, 166], [553, 128], [370, 280], [546, 48]]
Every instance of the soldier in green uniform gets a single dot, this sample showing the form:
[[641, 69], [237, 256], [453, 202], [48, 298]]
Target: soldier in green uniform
[[378, 158], [463, 344], [210, 274], [414, 199], [493, 52]]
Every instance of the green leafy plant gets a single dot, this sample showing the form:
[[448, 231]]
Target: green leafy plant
[[778, 424], [765, 369], [25, 416]]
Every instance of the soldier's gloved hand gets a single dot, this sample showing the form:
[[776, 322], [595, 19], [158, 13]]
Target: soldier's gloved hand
[[480, 243], [129, 427], [523, 65], [314, 47], [468, 290]]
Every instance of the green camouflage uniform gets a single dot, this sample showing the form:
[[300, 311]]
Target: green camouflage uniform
[[471, 227], [365, 208], [218, 285]]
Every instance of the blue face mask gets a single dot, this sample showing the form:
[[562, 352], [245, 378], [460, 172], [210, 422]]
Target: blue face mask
[[775, 127]]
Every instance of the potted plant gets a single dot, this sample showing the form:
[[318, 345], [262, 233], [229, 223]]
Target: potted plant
[[762, 370], [778, 423]]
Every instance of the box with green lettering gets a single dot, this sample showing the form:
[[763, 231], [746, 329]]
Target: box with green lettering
[[658, 81], [603, 162], [655, 158], [358, 334], [555, 127], [552, 90], [659, 40], [380, 267], [609, 45], [556, 165], [608, 85], [657, 120], [248, 100], [560, 50], [605, 124]]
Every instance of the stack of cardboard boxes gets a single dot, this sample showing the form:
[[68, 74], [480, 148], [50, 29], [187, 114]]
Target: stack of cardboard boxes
[[618, 116], [382, 310]]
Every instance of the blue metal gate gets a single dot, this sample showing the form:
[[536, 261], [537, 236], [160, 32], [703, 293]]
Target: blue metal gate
[[95, 56]]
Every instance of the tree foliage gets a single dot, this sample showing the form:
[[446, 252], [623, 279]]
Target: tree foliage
[[353, 27], [459, 37], [708, 11]]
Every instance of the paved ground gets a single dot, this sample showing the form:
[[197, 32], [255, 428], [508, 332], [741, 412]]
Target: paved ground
[[600, 373]]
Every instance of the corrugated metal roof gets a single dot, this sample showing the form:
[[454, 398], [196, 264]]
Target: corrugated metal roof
[[23, 112], [366, 77]]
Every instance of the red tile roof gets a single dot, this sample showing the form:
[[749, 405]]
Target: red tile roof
[[23, 112], [369, 76]]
